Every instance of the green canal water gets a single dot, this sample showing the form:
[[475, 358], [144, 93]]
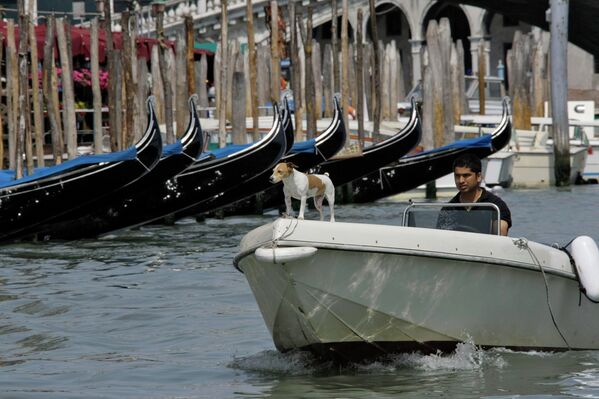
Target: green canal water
[[160, 312]]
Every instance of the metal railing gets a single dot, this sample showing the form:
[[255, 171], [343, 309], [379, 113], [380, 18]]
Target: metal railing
[[447, 206]]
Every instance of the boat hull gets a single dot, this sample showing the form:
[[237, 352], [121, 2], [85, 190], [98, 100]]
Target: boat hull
[[400, 290], [33, 205], [534, 167], [117, 210], [591, 168]]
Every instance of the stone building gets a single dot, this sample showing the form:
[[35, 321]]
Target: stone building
[[404, 21]]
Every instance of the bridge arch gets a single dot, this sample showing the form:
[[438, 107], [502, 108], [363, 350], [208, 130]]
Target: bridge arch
[[393, 24], [323, 32]]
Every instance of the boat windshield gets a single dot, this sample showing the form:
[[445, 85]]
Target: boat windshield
[[472, 217]]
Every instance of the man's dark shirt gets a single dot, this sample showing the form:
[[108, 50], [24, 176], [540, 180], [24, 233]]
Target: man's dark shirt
[[473, 219], [487, 196]]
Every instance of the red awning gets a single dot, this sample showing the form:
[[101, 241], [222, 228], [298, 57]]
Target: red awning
[[80, 38]]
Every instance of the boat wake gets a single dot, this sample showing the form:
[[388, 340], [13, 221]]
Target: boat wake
[[466, 356], [289, 363], [532, 353]]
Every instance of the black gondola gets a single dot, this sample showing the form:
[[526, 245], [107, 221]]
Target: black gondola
[[248, 187], [210, 175], [51, 192], [413, 171], [287, 127], [326, 144], [305, 155], [345, 170], [118, 210]]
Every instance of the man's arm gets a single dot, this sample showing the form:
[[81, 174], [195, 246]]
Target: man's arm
[[503, 228]]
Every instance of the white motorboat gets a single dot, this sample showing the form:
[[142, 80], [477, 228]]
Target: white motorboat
[[534, 160], [351, 291], [528, 162], [583, 132]]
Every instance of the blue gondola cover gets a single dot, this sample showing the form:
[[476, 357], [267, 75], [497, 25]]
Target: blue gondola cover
[[7, 177]]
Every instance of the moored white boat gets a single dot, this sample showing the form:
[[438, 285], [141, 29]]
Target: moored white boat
[[357, 290], [591, 170], [534, 167], [583, 132]]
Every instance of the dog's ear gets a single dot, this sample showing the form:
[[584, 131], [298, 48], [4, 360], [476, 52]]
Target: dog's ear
[[291, 165]]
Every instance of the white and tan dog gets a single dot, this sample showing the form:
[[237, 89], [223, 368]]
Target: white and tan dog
[[301, 186]]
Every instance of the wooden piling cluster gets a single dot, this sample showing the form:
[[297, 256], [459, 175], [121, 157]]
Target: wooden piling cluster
[[368, 78], [42, 113], [345, 67], [243, 82]]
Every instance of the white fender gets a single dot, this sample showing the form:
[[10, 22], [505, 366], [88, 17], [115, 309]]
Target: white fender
[[586, 257], [284, 254]]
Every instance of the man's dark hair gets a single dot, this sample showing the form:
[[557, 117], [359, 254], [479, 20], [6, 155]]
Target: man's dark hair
[[470, 161]]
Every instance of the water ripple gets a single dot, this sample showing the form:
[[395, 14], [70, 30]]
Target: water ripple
[[160, 312]]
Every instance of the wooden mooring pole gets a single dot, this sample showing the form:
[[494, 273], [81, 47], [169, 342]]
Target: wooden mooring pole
[[335, 46], [482, 71], [12, 88], [310, 92], [181, 85], [111, 90], [35, 93], [345, 94], [68, 89], [275, 71], [129, 63], [222, 97], [238, 98], [166, 81], [559, 90], [189, 59], [23, 132], [296, 72], [96, 92], [359, 101], [518, 68], [253, 70], [50, 91], [376, 109]]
